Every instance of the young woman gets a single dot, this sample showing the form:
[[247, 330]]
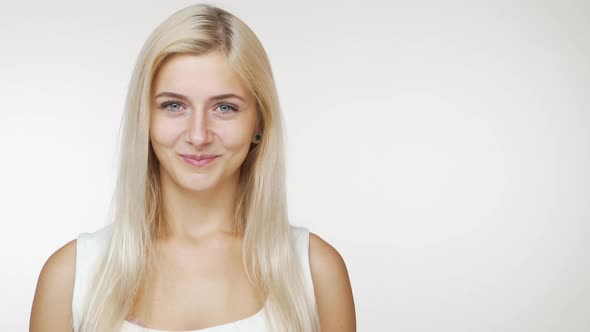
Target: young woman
[[200, 239]]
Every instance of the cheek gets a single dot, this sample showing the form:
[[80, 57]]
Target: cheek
[[163, 137], [163, 133], [235, 138], [238, 134]]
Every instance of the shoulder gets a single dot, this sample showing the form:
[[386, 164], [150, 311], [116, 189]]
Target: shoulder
[[332, 286], [51, 310]]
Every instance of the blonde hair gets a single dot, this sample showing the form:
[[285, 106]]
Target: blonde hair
[[269, 250]]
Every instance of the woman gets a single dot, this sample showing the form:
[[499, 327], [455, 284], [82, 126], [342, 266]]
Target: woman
[[200, 238]]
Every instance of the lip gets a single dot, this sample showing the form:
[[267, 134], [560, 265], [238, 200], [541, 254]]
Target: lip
[[199, 161], [199, 157]]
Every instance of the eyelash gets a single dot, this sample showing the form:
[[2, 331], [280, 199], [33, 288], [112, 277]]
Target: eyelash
[[233, 108]]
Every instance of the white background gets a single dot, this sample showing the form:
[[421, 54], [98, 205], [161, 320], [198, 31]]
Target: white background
[[442, 147]]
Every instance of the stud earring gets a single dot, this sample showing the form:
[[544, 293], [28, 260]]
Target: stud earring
[[257, 138]]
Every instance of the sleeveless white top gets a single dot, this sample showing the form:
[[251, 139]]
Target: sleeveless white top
[[90, 247]]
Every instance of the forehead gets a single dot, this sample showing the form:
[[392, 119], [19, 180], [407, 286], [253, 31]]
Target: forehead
[[198, 76]]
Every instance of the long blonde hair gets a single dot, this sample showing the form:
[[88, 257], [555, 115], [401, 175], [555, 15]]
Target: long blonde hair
[[269, 250]]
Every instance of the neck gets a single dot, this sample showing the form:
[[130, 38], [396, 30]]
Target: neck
[[193, 215]]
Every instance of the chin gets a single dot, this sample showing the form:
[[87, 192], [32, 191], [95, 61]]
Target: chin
[[199, 184]]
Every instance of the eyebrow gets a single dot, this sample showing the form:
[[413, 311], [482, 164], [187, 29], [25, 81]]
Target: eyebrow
[[179, 96]]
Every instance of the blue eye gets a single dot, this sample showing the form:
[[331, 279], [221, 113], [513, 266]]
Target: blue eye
[[165, 105], [229, 108]]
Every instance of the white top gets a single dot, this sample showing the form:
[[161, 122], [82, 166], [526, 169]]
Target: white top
[[90, 247]]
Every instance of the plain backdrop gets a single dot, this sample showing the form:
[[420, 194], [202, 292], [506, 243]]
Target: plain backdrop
[[442, 147]]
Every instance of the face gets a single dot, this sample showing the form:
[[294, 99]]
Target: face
[[200, 108]]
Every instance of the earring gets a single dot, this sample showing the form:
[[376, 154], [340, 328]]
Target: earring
[[257, 138]]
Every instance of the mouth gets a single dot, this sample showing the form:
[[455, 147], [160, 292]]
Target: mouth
[[200, 160], [200, 157]]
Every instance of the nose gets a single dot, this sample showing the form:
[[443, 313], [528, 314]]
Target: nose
[[198, 130]]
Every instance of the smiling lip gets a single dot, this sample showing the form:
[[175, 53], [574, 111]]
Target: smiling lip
[[199, 157], [199, 161]]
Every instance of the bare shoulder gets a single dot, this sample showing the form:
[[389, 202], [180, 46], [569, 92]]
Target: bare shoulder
[[332, 286], [52, 304]]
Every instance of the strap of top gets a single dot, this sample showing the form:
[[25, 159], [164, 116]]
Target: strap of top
[[91, 246], [89, 249], [302, 242]]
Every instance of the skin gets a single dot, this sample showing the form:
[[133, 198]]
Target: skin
[[196, 199], [184, 295]]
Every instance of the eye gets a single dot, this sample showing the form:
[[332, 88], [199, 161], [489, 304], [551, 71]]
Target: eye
[[227, 108], [174, 107], [173, 110]]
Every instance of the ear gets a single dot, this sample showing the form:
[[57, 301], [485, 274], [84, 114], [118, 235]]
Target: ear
[[256, 138], [257, 127]]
